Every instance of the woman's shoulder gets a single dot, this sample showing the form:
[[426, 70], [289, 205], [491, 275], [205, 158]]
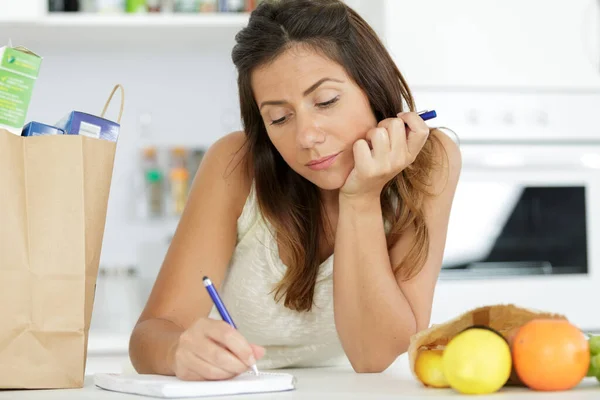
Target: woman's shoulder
[[228, 159]]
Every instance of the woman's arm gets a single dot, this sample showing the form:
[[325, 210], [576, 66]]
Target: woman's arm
[[202, 245], [375, 312]]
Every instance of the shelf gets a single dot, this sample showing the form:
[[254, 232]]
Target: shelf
[[83, 20], [134, 32]]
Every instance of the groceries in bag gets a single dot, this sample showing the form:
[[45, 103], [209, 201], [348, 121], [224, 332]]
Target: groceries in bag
[[19, 69]]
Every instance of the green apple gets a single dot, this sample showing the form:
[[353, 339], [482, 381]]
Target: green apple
[[593, 371], [594, 345]]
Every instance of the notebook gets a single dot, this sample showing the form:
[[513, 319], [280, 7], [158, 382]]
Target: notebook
[[172, 387]]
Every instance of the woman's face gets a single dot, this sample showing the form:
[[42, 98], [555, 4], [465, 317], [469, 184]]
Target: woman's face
[[313, 113]]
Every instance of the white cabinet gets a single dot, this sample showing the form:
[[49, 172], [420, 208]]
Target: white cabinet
[[499, 43]]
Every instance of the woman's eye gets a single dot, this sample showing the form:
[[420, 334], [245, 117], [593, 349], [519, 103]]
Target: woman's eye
[[325, 104], [278, 121], [328, 103]]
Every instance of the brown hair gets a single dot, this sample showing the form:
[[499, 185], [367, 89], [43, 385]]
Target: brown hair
[[287, 200]]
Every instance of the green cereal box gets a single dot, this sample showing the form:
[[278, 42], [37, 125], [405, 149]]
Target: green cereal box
[[19, 68]]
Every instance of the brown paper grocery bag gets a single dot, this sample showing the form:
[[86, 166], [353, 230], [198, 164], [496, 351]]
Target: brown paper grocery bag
[[53, 198], [503, 318]]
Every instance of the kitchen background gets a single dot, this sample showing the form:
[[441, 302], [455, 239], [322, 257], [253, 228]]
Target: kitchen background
[[518, 82]]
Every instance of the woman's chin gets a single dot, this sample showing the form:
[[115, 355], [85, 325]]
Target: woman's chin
[[330, 182]]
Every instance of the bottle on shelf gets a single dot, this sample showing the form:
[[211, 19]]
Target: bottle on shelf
[[195, 160], [136, 6], [88, 6], [208, 6], [154, 6], [187, 6], [252, 4], [110, 6], [179, 156], [71, 5], [153, 178], [179, 179], [63, 5], [179, 189], [232, 5], [167, 6]]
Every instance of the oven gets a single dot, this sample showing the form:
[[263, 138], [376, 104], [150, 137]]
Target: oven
[[525, 223]]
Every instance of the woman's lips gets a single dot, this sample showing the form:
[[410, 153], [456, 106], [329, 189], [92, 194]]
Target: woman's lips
[[322, 163]]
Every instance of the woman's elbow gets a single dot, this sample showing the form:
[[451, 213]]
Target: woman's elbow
[[369, 369], [373, 365], [370, 366], [377, 357]]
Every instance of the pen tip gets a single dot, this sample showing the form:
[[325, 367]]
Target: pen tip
[[205, 278], [255, 370]]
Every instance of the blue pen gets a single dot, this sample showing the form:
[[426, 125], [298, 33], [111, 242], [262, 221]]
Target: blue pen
[[214, 295], [427, 114]]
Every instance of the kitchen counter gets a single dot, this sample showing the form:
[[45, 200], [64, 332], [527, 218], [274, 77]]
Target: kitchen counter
[[332, 383]]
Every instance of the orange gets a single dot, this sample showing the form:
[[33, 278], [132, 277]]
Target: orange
[[550, 354]]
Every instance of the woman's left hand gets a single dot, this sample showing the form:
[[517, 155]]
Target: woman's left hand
[[394, 147]]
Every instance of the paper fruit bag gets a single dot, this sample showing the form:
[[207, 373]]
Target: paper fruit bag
[[505, 319], [53, 198]]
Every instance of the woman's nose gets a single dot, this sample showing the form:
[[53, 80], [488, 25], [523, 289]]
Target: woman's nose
[[309, 132]]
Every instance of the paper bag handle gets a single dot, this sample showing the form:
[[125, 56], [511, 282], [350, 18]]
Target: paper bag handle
[[117, 86]]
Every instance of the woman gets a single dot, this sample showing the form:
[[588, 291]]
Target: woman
[[323, 224]]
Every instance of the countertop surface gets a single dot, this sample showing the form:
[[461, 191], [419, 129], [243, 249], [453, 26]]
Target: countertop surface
[[331, 383]]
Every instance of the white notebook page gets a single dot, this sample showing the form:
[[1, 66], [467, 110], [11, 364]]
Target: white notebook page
[[171, 387]]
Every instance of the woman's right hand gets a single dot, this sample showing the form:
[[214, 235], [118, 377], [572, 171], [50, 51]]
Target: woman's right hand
[[212, 350]]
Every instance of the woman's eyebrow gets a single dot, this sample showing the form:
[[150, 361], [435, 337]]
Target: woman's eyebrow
[[308, 91], [319, 83]]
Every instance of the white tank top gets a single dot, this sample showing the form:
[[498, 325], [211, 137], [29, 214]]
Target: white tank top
[[291, 338]]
